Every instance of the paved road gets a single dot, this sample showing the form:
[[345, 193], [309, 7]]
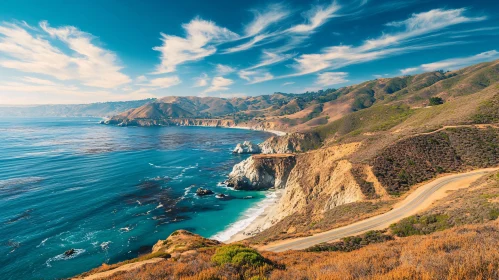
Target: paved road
[[406, 208]]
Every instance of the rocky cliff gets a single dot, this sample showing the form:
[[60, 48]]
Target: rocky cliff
[[316, 181], [261, 172], [291, 143], [172, 122]]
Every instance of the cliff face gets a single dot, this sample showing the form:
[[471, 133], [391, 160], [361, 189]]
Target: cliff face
[[291, 143], [172, 122], [261, 172], [319, 180], [322, 178]]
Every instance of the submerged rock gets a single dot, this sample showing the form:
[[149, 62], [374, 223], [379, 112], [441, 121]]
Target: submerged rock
[[202, 192], [247, 148]]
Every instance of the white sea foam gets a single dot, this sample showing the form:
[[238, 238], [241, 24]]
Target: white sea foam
[[246, 218], [105, 245], [63, 257], [42, 243]]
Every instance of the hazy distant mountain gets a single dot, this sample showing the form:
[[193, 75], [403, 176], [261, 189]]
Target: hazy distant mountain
[[101, 109]]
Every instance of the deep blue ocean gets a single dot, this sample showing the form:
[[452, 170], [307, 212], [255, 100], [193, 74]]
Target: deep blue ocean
[[109, 192]]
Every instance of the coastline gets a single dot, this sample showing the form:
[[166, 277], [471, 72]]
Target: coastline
[[276, 132], [253, 220]]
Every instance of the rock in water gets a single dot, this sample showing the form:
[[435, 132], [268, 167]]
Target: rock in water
[[201, 192], [247, 148], [69, 252]]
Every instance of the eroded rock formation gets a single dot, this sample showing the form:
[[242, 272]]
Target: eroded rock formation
[[260, 172]]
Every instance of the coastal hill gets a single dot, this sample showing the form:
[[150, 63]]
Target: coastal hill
[[354, 153], [301, 112]]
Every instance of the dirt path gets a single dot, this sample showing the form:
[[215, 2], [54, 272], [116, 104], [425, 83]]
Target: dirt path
[[417, 201], [126, 267]]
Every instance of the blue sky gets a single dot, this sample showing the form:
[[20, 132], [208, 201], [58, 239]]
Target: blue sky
[[90, 51]]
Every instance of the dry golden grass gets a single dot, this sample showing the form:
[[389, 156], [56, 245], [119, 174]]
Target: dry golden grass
[[466, 252]]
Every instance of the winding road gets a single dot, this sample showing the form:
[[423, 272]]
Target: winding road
[[415, 202]]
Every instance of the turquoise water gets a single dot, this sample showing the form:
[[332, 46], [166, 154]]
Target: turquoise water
[[108, 192]]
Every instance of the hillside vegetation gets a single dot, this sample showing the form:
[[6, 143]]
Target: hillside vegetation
[[302, 112]]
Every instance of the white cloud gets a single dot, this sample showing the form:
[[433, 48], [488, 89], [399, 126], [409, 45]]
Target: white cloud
[[408, 31], [225, 69], [248, 45], [331, 78], [288, 83], [259, 33], [316, 17], [255, 76], [29, 51], [273, 14], [454, 63], [164, 82], [219, 84], [201, 81], [270, 58], [37, 93], [200, 41], [409, 70], [38, 81]]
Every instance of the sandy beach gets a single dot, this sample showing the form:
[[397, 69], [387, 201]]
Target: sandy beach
[[261, 221]]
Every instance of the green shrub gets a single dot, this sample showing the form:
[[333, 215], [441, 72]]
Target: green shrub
[[436, 101], [351, 243], [420, 225], [238, 255]]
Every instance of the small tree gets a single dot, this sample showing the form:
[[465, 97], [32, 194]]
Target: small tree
[[436, 101]]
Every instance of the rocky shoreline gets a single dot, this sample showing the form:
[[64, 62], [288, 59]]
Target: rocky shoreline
[[225, 123]]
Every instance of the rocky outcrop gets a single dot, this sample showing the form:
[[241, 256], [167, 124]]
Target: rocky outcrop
[[291, 143], [203, 192], [261, 172], [246, 148], [181, 241]]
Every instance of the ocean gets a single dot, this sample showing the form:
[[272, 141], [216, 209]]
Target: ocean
[[111, 192]]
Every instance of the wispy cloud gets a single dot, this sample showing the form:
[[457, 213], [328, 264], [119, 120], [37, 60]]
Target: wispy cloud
[[402, 39], [164, 82], [35, 50], [409, 70], [269, 58], [255, 76], [316, 17], [222, 69], [201, 39], [331, 78], [270, 15], [219, 84], [287, 83], [453, 63], [259, 31], [201, 81]]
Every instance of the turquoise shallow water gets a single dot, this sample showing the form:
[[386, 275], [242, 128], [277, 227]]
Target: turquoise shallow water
[[108, 192]]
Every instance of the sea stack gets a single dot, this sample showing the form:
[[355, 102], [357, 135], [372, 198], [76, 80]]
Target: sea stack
[[247, 148]]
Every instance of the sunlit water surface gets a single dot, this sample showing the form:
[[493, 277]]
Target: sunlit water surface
[[108, 192]]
